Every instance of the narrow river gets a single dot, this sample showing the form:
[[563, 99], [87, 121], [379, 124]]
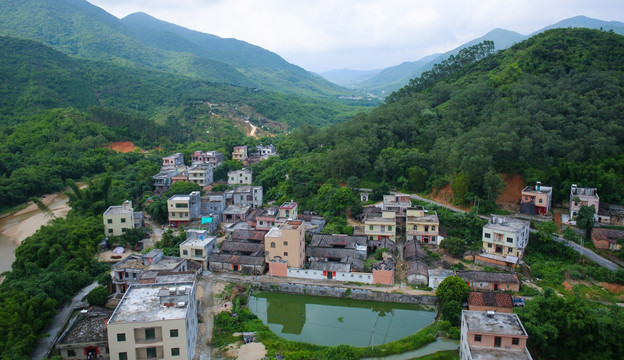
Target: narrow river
[[17, 227]]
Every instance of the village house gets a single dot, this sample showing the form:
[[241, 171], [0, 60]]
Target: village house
[[180, 176], [415, 256], [184, 208], [364, 196], [198, 246], [288, 242], [235, 213], [156, 321], [611, 214], [163, 180], [490, 281], [240, 177], [504, 241], [266, 151], [173, 161], [242, 252], [422, 226], [239, 153], [248, 196], [490, 301], [266, 218], [607, 238], [201, 175], [212, 207], [490, 335], [210, 157], [436, 276], [119, 218], [381, 227], [536, 199], [583, 196], [135, 268], [85, 337], [397, 203]]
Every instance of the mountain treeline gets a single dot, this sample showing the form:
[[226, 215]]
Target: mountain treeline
[[550, 108]]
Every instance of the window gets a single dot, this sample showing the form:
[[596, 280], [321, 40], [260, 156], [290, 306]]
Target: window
[[509, 250], [490, 245], [175, 351], [540, 201], [372, 227], [488, 235], [432, 228], [109, 221], [389, 228], [71, 353], [509, 240], [121, 337], [199, 252], [173, 333], [285, 253], [184, 252], [285, 243], [110, 231], [151, 352], [150, 334], [123, 356], [123, 220], [273, 245], [477, 338], [134, 276], [515, 341]]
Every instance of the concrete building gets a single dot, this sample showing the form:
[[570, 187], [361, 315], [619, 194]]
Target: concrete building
[[239, 153], [144, 268], [235, 213], [184, 208], [490, 335], [266, 151], [154, 321], [198, 246], [201, 175], [117, 219], [266, 218], [248, 196], [240, 177], [163, 180], [436, 276], [173, 161], [422, 226], [287, 242], [289, 210], [504, 236], [583, 196], [536, 199], [85, 337], [209, 157], [381, 227]]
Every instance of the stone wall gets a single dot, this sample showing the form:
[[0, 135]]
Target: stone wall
[[340, 292]]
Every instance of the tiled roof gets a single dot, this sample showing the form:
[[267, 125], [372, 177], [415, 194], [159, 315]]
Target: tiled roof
[[490, 299], [609, 235], [488, 276]]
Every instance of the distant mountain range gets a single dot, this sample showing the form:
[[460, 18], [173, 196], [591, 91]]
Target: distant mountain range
[[79, 28], [382, 82]]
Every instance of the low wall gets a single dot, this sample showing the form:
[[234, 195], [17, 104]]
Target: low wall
[[340, 292]]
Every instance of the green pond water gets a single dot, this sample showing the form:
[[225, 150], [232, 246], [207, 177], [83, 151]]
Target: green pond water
[[331, 321]]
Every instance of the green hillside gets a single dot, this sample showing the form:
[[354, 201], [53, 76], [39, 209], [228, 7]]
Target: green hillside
[[550, 108], [78, 28]]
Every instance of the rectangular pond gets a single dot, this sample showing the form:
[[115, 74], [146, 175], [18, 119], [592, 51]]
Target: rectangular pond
[[333, 321]]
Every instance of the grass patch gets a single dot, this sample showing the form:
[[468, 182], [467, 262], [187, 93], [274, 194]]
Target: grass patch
[[528, 291]]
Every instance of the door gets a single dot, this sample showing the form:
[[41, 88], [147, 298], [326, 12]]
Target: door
[[495, 286], [497, 341], [329, 275]]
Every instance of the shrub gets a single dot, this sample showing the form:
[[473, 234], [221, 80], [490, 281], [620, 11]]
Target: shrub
[[97, 296]]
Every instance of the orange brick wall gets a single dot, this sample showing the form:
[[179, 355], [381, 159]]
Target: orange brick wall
[[384, 277], [278, 269]]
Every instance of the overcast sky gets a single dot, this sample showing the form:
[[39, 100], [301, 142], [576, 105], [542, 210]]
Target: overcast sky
[[321, 35]]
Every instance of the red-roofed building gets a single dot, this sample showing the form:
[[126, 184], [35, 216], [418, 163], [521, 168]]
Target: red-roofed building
[[490, 301]]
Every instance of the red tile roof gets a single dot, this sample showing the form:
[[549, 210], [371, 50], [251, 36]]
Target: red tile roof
[[490, 299]]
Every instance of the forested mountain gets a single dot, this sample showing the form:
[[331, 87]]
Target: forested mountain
[[550, 108], [385, 81], [78, 28], [35, 77]]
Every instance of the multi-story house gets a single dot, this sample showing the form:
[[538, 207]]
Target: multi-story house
[[136, 268], [381, 227], [209, 157], [267, 218], [238, 177], [505, 236], [212, 207], [173, 161], [538, 199], [583, 196], [163, 180], [398, 203], [198, 246], [422, 226], [266, 151], [200, 174], [118, 219], [490, 335], [288, 210], [287, 242], [184, 208], [239, 153], [248, 196], [154, 321]]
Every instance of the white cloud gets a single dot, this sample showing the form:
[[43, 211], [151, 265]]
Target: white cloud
[[326, 34]]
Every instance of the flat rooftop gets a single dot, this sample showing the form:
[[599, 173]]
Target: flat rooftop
[[199, 242], [117, 209], [486, 353], [497, 323], [180, 197], [428, 218], [506, 224], [166, 263], [142, 303]]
